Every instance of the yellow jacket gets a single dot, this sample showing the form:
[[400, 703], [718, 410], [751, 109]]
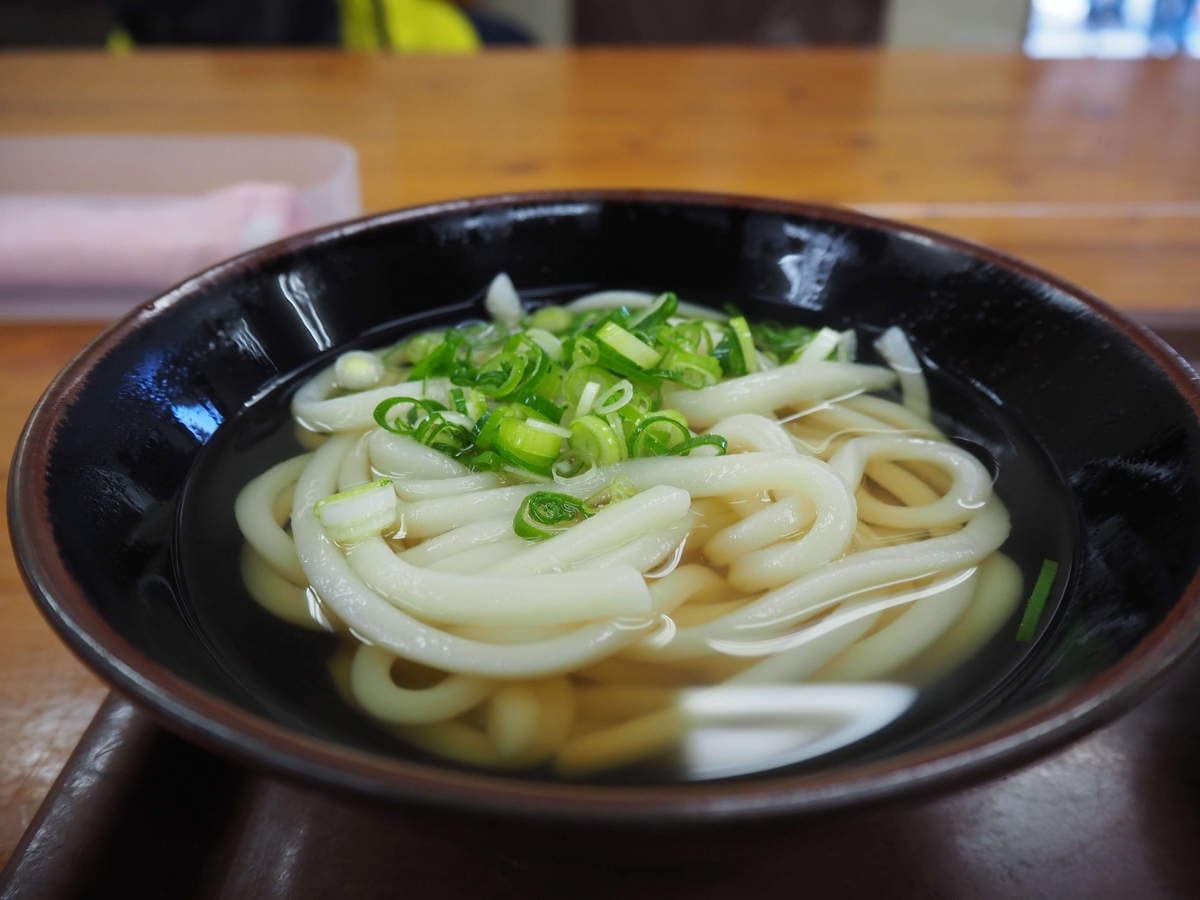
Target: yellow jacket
[[408, 26]]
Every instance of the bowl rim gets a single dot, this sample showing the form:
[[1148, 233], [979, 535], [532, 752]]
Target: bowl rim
[[225, 728]]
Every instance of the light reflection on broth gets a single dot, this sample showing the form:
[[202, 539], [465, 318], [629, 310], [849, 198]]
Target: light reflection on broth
[[733, 614]]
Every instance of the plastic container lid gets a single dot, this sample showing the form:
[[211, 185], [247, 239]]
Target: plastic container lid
[[130, 173]]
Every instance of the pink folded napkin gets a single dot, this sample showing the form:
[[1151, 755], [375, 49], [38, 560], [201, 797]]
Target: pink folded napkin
[[49, 240]]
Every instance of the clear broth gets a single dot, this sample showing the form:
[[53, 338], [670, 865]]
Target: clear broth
[[296, 676]]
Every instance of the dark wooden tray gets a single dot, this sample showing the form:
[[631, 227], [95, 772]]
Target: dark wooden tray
[[139, 813]]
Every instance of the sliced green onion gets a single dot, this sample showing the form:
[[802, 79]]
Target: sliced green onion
[[553, 319], [1037, 600], [570, 463], [468, 402], [359, 512], [523, 345], [728, 353], [549, 427], [524, 444], [544, 514], [482, 335], [611, 359], [691, 369], [499, 376], [614, 398], [656, 436], [538, 405], [691, 337], [488, 425], [618, 427], [587, 398], [521, 473], [824, 343], [619, 489], [656, 313], [629, 415], [548, 342], [438, 432], [579, 377], [358, 370], [703, 440], [407, 421], [625, 344], [741, 331], [779, 342], [487, 461], [641, 402], [847, 347], [584, 352], [417, 347], [442, 360], [546, 380], [594, 437]]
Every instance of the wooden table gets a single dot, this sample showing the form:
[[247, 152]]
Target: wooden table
[[1091, 169]]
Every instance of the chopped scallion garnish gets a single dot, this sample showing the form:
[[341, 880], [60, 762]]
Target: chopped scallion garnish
[[1037, 600], [544, 514], [626, 345], [358, 513]]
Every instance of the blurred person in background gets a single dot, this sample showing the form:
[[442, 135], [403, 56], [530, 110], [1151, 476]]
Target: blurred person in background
[[402, 25], [436, 25]]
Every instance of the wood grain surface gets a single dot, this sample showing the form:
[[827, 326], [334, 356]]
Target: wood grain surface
[[1089, 168]]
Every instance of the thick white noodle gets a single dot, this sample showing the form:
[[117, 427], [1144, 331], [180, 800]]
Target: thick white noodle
[[376, 692], [825, 640], [787, 516], [399, 456], [252, 510], [840, 582], [894, 347], [996, 598], [829, 537], [376, 621], [842, 421], [466, 743], [682, 585], [970, 489], [464, 538], [480, 559], [429, 517], [548, 599], [893, 414], [275, 593], [356, 467], [412, 489], [639, 300], [652, 510], [356, 412], [747, 433], [513, 716], [509, 634], [645, 552], [913, 631], [765, 392]]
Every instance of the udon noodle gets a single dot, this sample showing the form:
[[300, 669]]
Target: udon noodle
[[790, 543]]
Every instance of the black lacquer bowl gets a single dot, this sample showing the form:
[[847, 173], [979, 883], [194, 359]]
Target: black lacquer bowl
[[98, 476]]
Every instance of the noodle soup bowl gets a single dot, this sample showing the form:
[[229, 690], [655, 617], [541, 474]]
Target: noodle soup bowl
[[1108, 411]]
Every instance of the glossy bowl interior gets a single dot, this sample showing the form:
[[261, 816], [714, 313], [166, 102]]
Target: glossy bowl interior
[[97, 479]]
